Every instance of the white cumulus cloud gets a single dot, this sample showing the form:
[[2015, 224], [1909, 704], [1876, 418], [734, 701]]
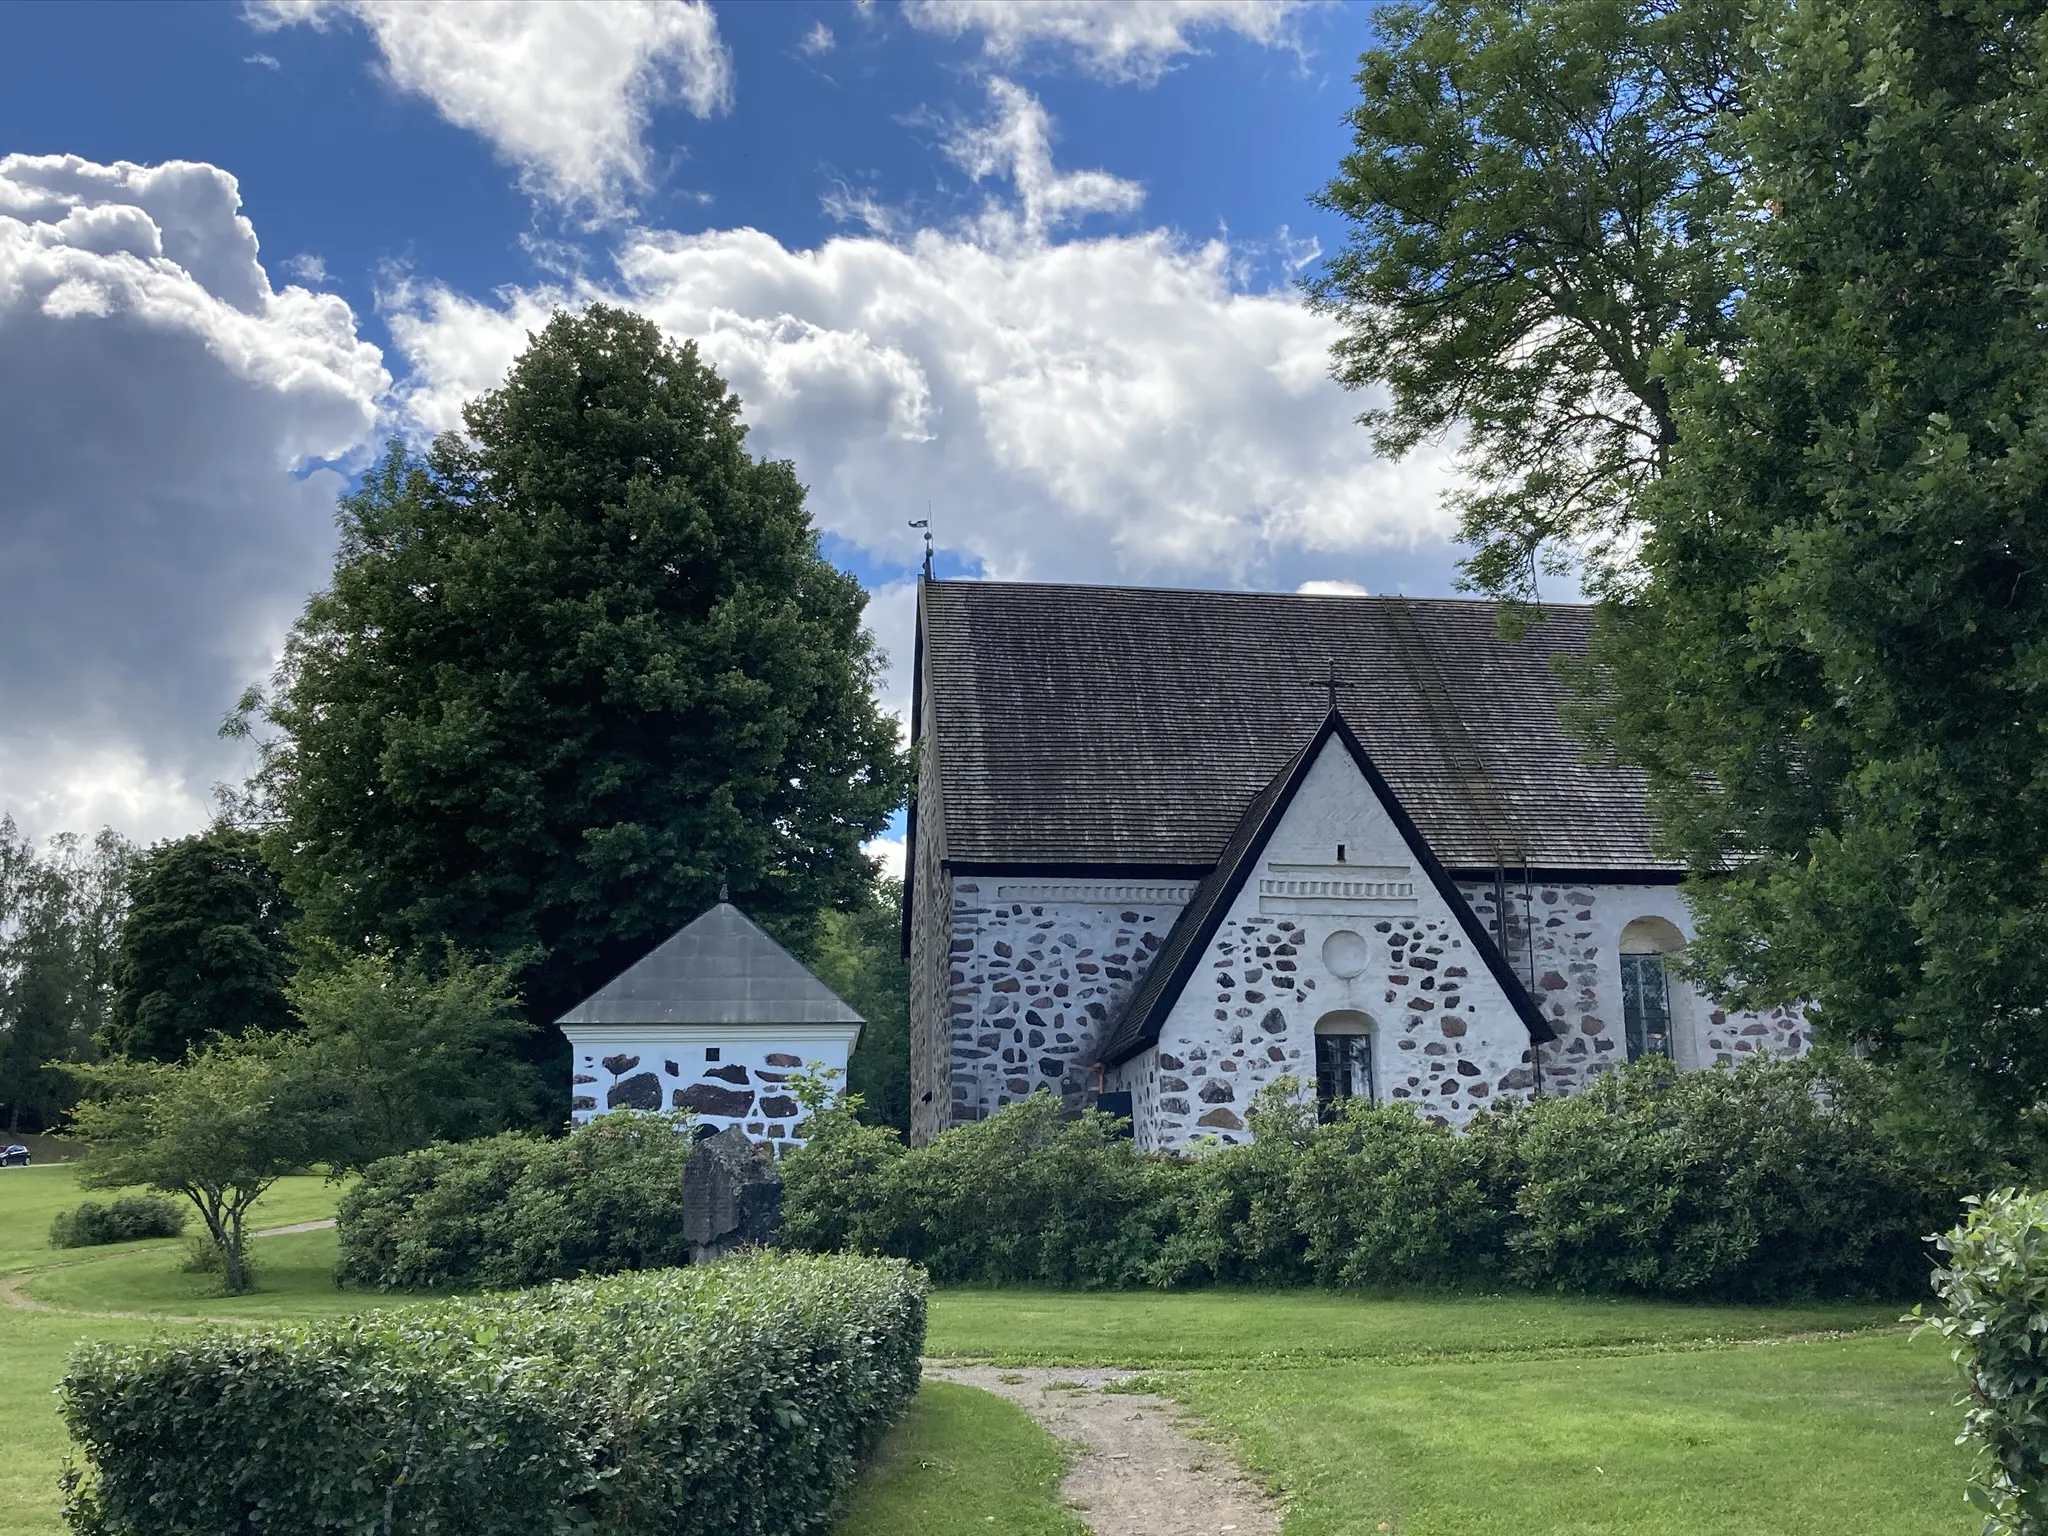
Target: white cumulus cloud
[[563, 89], [1016, 145], [164, 413], [1124, 40], [1092, 409]]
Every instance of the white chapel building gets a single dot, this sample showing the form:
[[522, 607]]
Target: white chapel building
[[1168, 846], [717, 1019]]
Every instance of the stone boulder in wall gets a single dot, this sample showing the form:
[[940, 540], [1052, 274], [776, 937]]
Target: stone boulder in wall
[[732, 1196], [641, 1091]]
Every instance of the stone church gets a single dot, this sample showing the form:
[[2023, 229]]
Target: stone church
[[1169, 846]]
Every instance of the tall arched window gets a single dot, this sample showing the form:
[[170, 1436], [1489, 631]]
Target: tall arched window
[[1343, 1058], [1645, 987]]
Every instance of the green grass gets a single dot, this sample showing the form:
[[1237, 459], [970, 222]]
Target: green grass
[[1808, 1439], [30, 1197], [1208, 1328], [962, 1463]]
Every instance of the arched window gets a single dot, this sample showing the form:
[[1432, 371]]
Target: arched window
[[1343, 1058], [1645, 988]]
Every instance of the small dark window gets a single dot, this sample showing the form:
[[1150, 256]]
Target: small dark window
[[1340, 853], [711, 1053], [1645, 1006], [1343, 1070]]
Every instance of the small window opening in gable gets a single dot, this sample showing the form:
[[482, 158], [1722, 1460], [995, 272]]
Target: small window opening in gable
[[711, 1053], [1340, 853], [1343, 1061], [1646, 986]]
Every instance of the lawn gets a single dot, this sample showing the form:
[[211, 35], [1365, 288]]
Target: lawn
[[1420, 1416]]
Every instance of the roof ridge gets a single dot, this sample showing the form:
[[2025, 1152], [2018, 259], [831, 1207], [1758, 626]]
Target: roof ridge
[[968, 583]]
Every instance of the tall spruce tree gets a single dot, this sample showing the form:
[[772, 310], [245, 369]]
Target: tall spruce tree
[[202, 950], [1836, 672], [578, 668]]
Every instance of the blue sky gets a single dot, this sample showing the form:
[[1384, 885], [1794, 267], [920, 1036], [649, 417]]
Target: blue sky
[[1031, 265]]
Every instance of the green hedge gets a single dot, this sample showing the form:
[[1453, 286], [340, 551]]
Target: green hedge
[[1994, 1295], [1768, 1181], [517, 1210], [120, 1221], [733, 1398]]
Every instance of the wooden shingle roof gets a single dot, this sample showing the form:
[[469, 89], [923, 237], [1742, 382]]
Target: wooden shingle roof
[[1134, 726]]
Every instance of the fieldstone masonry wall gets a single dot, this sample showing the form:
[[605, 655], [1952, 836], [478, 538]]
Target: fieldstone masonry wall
[[1573, 966], [1443, 1036], [747, 1086], [1036, 970]]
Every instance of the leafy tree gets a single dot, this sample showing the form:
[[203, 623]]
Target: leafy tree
[[1537, 196], [203, 948], [860, 956], [406, 1057], [1836, 673], [60, 908], [576, 669], [218, 1128]]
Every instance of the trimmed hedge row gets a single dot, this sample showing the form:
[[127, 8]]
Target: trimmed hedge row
[[120, 1221], [516, 1210], [730, 1400], [1994, 1308], [1769, 1181]]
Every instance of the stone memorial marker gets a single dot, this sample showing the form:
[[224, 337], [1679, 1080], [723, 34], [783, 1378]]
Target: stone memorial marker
[[732, 1196]]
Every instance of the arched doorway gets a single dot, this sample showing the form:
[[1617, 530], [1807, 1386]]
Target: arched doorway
[[1343, 1059], [1646, 986]]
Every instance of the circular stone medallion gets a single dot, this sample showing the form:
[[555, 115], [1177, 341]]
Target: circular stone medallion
[[1346, 953]]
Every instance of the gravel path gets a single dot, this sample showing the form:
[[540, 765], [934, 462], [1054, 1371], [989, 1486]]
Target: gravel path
[[1137, 1472]]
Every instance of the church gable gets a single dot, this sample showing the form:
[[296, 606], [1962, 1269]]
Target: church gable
[[1328, 921]]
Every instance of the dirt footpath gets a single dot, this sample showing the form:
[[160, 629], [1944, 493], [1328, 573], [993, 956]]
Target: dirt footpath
[[1136, 1471]]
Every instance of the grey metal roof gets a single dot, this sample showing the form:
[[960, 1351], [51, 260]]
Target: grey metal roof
[[720, 969], [1116, 725], [1138, 1026]]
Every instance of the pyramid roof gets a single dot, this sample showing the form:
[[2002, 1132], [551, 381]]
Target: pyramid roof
[[720, 969]]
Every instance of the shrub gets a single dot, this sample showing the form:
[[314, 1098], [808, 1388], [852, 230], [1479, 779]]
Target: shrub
[[1382, 1196], [515, 1210], [1994, 1290], [428, 1219], [1233, 1217], [1025, 1196], [733, 1398], [833, 1185], [122, 1221], [1770, 1180]]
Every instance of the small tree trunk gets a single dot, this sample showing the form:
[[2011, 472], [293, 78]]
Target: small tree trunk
[[232, 1253]]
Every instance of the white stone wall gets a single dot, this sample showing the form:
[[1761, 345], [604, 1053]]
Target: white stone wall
[[1576, 978], [1308, 936], [1038, 968], [747, 1085]]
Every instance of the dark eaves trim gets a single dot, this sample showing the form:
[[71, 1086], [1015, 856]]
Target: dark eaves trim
[[1080, 871], [1578, 875]]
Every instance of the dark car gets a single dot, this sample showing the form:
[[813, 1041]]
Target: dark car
[[15, 1156]]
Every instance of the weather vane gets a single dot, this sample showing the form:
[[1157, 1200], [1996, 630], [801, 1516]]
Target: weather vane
[[925, 523]]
